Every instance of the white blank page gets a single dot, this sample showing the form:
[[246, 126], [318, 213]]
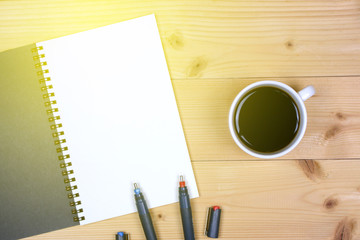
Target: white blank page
[[120, 117]]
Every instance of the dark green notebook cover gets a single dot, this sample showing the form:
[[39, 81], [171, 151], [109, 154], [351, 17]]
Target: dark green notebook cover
[[33, 196]]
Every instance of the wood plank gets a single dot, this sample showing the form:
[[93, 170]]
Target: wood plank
[[209, 38], [259, 199], [333, 117]]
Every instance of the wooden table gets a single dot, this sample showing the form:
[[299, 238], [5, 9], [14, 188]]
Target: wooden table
[[214, 49]]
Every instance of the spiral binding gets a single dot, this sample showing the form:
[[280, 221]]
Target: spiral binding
[[56, 134]]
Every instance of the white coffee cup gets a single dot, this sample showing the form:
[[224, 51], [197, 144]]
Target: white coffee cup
[[298, 98]]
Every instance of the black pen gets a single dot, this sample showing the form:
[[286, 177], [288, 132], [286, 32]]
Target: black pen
[[144, 214], [185, 209]]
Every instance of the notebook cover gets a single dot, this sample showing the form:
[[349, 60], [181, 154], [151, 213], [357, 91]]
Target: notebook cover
[[33, 198]]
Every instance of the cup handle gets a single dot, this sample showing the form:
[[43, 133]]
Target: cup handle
[[307, 92]]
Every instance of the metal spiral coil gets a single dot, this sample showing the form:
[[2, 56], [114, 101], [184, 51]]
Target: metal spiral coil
[[49, 103]]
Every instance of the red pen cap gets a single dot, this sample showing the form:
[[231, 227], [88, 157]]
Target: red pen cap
[[213, 222]]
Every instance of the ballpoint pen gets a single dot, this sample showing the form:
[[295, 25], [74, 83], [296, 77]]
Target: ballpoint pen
[[144, 214], [185, 209]]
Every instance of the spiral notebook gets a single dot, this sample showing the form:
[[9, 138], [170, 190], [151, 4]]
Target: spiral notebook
[[83, 117]]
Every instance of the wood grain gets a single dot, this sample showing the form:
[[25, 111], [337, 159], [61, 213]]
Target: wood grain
[[259, 200], [333, 129], [210, 38]]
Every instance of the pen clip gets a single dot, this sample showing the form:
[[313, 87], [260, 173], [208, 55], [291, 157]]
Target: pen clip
[[207, 223]]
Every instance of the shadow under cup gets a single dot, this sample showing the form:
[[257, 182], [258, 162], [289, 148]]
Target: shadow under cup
[[267, 119]]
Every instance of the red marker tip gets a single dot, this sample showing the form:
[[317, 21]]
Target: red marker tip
[[182, 184]]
